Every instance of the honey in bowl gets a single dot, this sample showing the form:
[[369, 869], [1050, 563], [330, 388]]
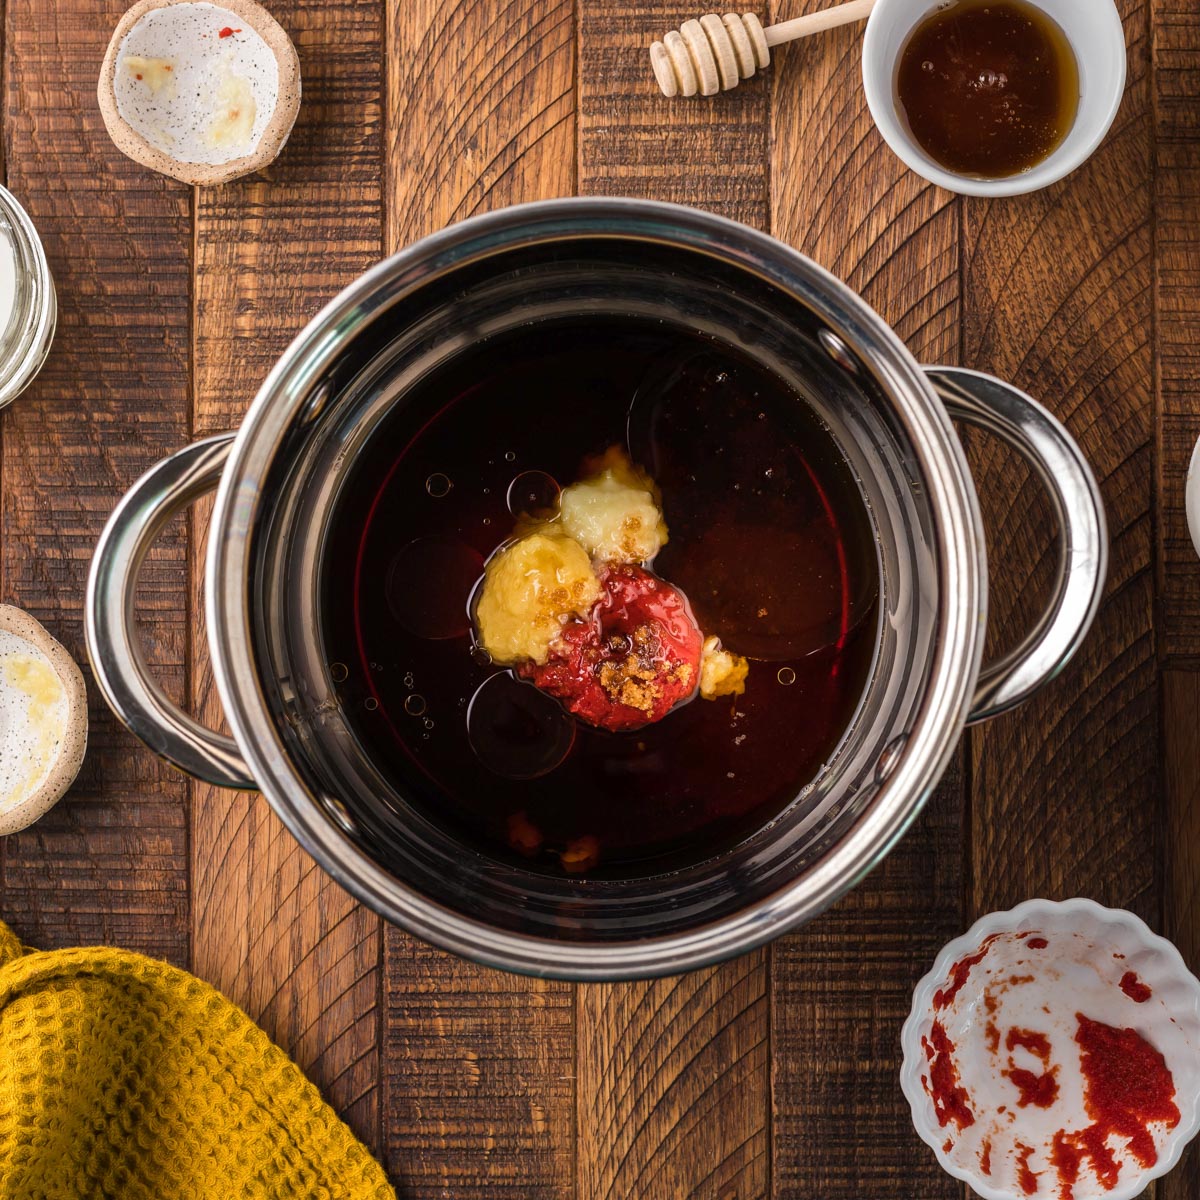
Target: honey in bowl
[[600, 752], [989, 88]]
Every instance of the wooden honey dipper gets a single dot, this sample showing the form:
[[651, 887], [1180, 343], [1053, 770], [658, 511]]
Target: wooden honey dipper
[[711, 55]]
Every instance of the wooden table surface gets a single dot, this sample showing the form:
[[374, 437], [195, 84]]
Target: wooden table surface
[[776, 1074]]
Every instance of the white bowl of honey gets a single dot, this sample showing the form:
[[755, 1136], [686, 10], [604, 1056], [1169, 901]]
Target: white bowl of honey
[[994, 97]]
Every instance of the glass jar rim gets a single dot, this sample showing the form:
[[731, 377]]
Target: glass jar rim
[[26, 343]]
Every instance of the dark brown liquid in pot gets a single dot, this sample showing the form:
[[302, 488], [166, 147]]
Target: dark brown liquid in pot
[[988, 87], [769, 539]]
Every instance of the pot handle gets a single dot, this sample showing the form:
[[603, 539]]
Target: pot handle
[[118, 661], [1055, 458]]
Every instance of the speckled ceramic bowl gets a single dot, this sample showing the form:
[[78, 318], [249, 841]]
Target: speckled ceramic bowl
[[202, 92], [1045, 963], [43, 720]]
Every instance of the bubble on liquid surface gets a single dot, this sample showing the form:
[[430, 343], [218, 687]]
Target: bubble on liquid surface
[[370, 704], [786, 676], [339, 672], [517, 731], [438, 485], [428, 584], [532, 492], [414, 705]]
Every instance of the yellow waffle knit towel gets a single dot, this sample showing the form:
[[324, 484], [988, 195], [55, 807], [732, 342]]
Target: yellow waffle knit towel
[[125, 1077]]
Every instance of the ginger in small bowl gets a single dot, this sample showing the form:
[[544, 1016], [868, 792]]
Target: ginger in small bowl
[[202, 92], [43, 719]]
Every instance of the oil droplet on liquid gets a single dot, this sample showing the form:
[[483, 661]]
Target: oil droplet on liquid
[[516, 730], [532, 492], [428, 585]]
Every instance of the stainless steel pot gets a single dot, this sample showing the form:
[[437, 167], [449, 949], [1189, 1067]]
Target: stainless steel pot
[[278, 477]]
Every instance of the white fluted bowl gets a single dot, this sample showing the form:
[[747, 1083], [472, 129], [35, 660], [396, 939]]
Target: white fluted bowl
[[1090, 948]]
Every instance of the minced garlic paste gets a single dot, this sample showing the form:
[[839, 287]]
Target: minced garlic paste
[[529, 589], [614, 514]]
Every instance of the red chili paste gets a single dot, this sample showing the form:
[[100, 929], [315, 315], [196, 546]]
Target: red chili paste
[[959, 972], [1036, 1043], [985, 1156], [1025, 1177], [227, 32], [1065, 1158], [950, 1100], [634, 657], [1127, 1084], [1038, 1090], [1134, 988], [1037, 943]]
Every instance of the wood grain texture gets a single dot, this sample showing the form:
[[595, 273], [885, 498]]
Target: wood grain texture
[[481, 109], [1057, 300], [478, 1065], [710, 153], [271, 929], [478, 1078], [1176, 50], [1176, 61], [673, 1080], [1181, 883], [673, 1074], [109, 864], [841, 987]]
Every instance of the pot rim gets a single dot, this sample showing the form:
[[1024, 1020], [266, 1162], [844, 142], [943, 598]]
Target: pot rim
[[961, 568]]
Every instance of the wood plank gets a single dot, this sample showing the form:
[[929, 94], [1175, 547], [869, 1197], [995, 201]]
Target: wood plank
[[1181, 885], [270, 928], [1176, 271], [481, 110], [673, 1081], [1057, 300], [841, 988], [710, 153], [673, 1074], [110, 862], [478, 1069]]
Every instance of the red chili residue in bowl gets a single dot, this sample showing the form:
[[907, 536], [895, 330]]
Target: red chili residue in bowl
[[1037, 1089], [959, 973], [1127, 1085], [950, 1099], [1026, 1177], [1134, 988], [985, 1156]]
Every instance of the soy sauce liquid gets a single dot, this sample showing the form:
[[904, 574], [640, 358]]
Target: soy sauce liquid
[[769, 539], [989, 87]]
